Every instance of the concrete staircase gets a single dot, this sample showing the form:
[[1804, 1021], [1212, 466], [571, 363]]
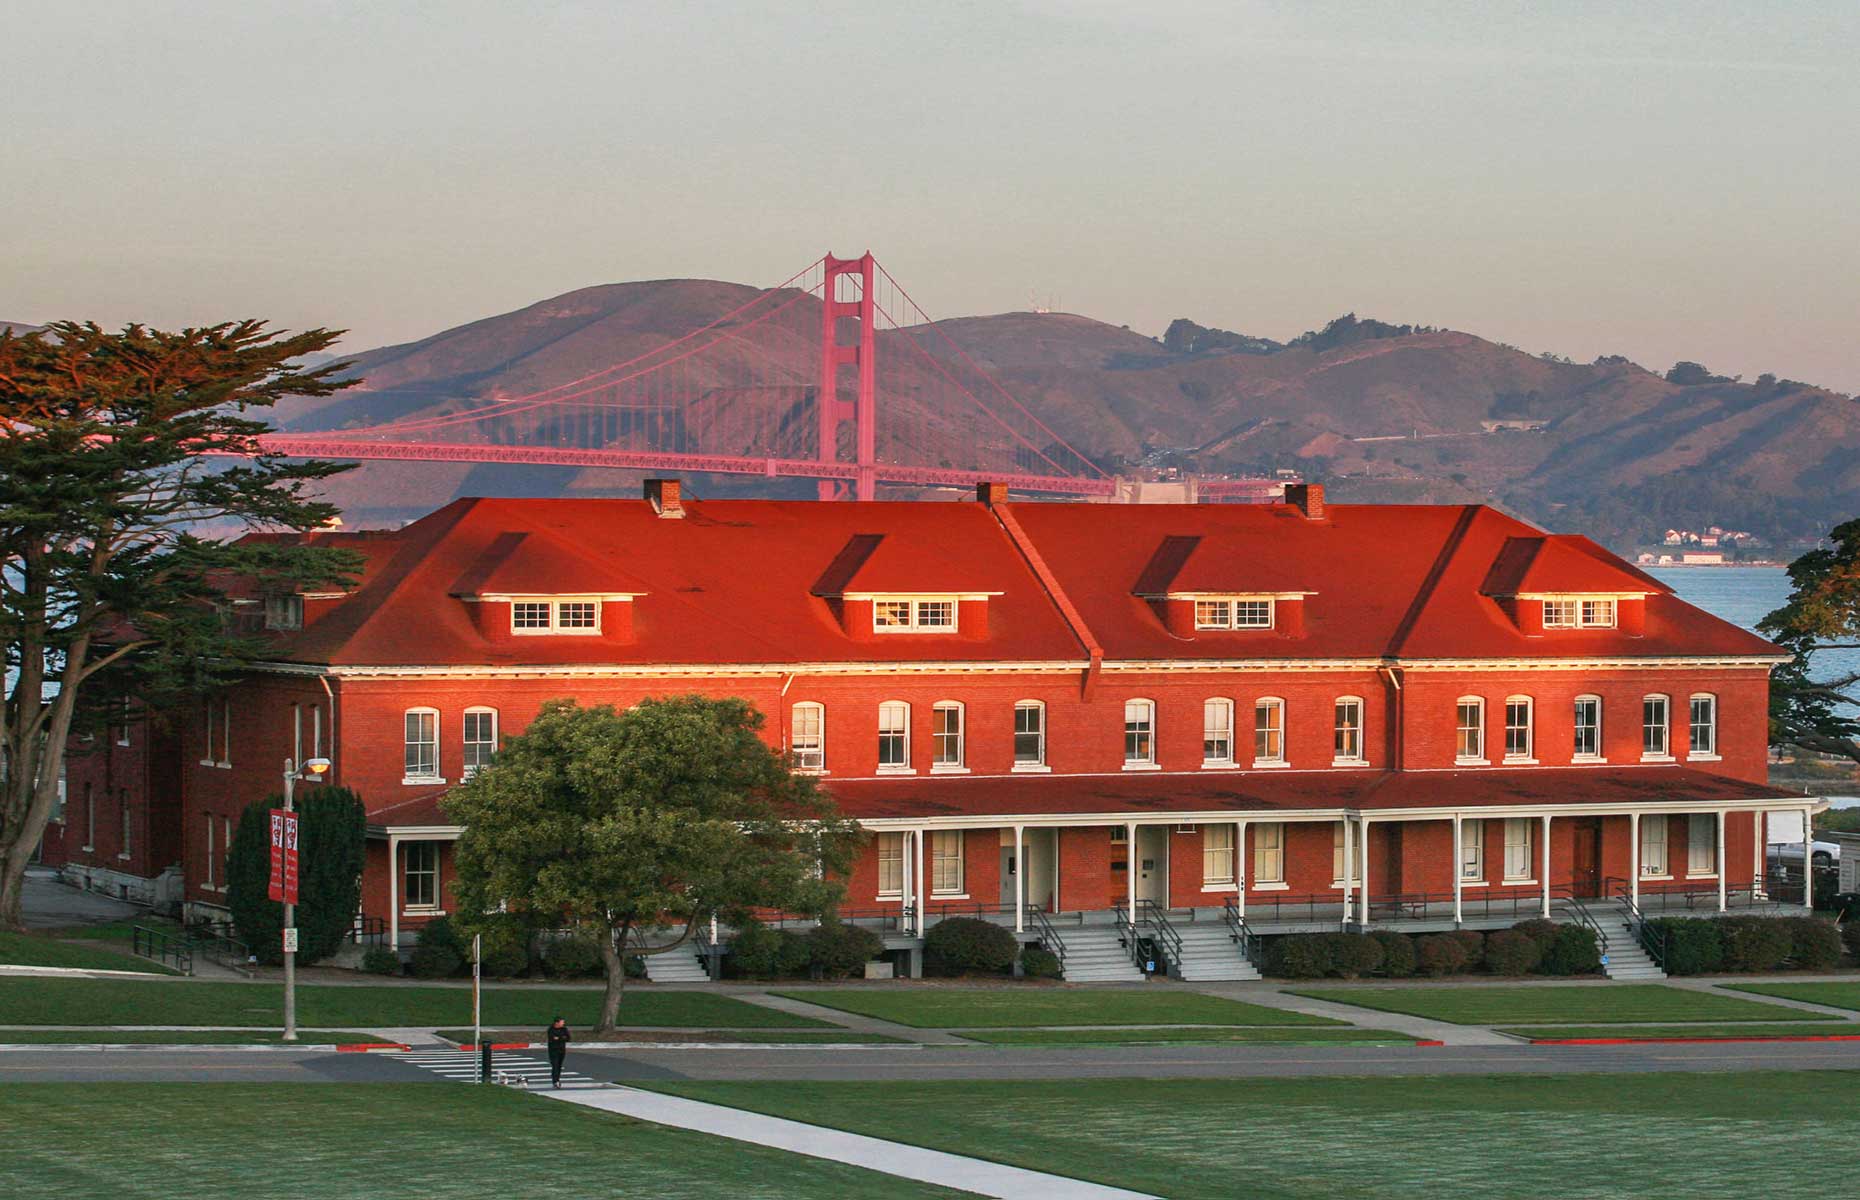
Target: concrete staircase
[[1626, 960], [1209, 954], [682, 965], [1094, 955]]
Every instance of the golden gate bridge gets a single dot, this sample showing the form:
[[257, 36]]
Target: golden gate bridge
[[886, 396]]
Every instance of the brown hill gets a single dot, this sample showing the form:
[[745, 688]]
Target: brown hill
[[1379, 411]]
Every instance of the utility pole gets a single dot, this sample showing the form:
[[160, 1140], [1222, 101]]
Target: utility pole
[[313, 769]]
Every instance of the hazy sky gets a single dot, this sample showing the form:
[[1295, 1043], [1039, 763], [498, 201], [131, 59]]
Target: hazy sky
[[1663, 180]]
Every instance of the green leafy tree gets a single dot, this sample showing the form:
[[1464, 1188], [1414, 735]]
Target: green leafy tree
[[1810, 711], [638, 825], [332, 826], [117, 516]]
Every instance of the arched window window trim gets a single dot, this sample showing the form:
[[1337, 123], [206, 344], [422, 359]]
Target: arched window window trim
[[1586, 741], [1469, 732], [894, 744], [1269, 749], [807, 738], [1217, 732], [948, 737], [1702, 736], [1656, 733], [476, 746], [420, 745], [1520, 744], [1340, 738], [1030, 743], [1139, 734]]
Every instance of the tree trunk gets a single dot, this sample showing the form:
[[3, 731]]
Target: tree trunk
[[12, 889], [613, 958]]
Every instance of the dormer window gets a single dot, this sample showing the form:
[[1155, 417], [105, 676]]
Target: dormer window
[[284, 612], [1233, 612], [912, 614], [579, 615], [1579, 612]]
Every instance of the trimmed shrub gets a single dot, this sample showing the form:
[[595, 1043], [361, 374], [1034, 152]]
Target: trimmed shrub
[[1352, 954], [1574, 951], [1850, 937], [1037, 962], [969, 945], [1754, 943], [1440, 954], [576, 956], [763, 953], [437, 954], [332, 826], [1694, 945], [506, 946], [1511, 952], [1474, 943], [1539, 930], [632, 966], [1814, 944], [379, 960], [1397, 953], [837, 949], [1299, 956]]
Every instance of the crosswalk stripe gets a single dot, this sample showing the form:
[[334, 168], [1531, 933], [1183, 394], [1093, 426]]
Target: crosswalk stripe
[[462, 1066]]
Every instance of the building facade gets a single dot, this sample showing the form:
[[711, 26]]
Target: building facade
[[1291, 715]]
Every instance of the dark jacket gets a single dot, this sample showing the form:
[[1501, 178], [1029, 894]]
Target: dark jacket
[[558, 1040]]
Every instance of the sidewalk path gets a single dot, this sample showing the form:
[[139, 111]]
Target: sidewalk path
[[874, 1154], [853, 1021], [1418, 1027]]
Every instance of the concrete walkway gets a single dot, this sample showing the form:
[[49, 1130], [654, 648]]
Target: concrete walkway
[[1417, 1027], [45, 903], [874, 1154], [852, 1021]]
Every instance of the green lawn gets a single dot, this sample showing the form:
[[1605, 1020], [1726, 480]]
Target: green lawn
[[1284, 1035], [1849, 1028], [412, 1141], [115, 931], [1835, 995], [191, 1037], [1406, 1138], [762, 1036], [37, 950], [41, 1001], [997, 1008], [1557, 1005]]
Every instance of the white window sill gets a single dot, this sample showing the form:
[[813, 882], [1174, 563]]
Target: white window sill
[[1142, 766], [1336, 885], [1031, 769], [125, 856], [207, 762], [1706, 875], [1270, 887], [423, 911], [1349, 762], [949, 770], [421, 780], [1518, 883], [1654, 878], [1657, 758], [892, 896], [949, 896], [1704, 758], [1589, 760], [1472, 762], [1229, 888], [89, 849], [1219, 764], [1474, 883], [1509, 761], [897, 770], [1270, 764]]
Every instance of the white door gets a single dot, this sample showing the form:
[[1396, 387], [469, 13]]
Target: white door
[[1152, 864]]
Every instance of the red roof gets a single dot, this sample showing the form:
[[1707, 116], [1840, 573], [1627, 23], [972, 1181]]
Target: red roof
[[1285, 791], [1562, 563]]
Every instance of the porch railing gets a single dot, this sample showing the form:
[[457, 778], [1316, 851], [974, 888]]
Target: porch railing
[[164, 947], [1240, 931], [1652, 938], [1128, 936], [367, 930], [885, 920], [215, 942], [1167, 940], [1049, 937]]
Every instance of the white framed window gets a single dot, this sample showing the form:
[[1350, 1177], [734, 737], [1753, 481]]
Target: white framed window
[[1588, 728], [1233, 612], [1339, 834], [1469, 742], [1579, 612], [1518, 849], [1029, 734], [1268, 730], [1703, 740], [1702, 844], [574, 614], [1562, 614], [894, 736], [420, 738], [125, 717], [59, 796], [1598, 613], [890, 866], [480, 739], [1217, 855], [807, 738], [1517, 727], [1139, 733], [284, 613], [420, 875], [1120, 835], [122, 812], [1472, 850], [316, 732], [1268, 852], [946, 862], [946, 736], [1217, 732], [212, 861], [90, 821], [914, 614], [1655, 719], [1347, 723], [216, 716], [1653, 859], [225, 850]]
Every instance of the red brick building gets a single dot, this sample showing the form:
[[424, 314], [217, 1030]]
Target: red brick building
[[1247, 716], [117, 828]]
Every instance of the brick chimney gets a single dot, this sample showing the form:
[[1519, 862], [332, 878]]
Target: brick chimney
[[991, 494], [1307, 498], [665, 496]]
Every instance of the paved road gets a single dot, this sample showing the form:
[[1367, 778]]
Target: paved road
[[980, 1062]]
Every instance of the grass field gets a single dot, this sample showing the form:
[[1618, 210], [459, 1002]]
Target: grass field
[[190, 1037], [1415, 1138], [115, 931], [1806, 1029], [1557, 1005], [1284, 1035], [997, 1008], [799, 1037], [1835, 995], [145, 1002], [36, 950], [395, 1141]]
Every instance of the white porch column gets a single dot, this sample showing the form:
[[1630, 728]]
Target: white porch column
[[1349, 869], [1240, 867], [1130, 868], [1808, 860], [1020, 882], [1364, 901], [1546, 866], [1634, 858], [923, 888], [394, 893], [1719, 862], [1459, 852], [1759, 845]]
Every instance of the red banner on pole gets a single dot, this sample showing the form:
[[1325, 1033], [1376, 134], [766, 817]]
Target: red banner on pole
[[275, 890], [290, 858]]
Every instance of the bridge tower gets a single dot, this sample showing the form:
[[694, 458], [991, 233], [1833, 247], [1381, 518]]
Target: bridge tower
[[843, 275]]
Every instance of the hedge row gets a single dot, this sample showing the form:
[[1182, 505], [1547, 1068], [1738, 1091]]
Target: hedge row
[[830, 950], [1532, 947], [512, 948], [1702, 945]]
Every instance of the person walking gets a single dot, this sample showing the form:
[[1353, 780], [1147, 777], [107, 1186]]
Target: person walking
[[558, 1050]]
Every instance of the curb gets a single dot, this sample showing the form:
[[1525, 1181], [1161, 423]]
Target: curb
[[1693, 1041], [217, 1047], [703, 1045], [1423, 1042]]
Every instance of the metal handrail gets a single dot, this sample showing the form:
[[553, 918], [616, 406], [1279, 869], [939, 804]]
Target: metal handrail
[[215, 942], [1049, 937], [1167, 939], [367, 929], [1653, 940], [163, 947], [1567, 900], [1242, 933], [1127, 934]]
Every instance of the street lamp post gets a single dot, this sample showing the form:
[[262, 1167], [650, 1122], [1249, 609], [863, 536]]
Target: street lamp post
[[311, 769]]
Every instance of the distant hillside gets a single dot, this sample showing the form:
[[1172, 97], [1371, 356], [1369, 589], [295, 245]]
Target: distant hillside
[[1378, 411]]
